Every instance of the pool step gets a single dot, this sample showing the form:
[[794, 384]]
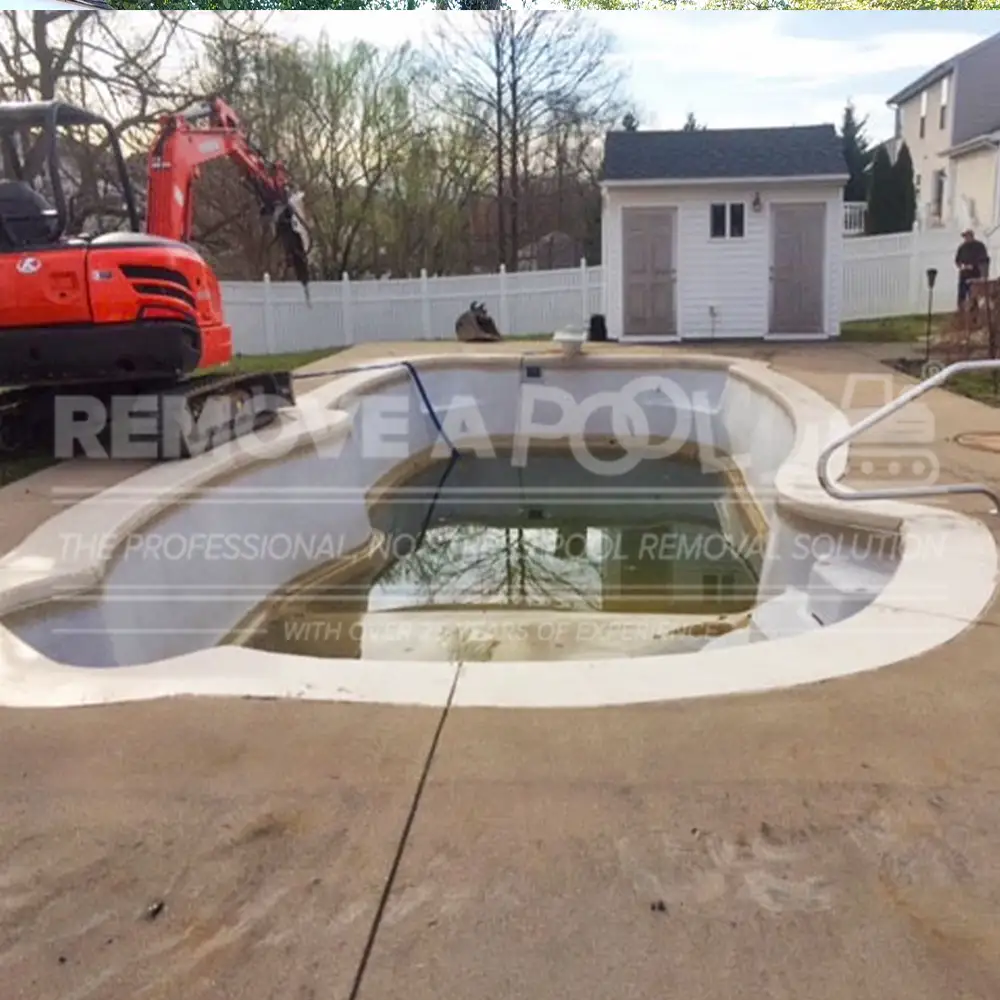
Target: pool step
[[785, 615], [839, 589]]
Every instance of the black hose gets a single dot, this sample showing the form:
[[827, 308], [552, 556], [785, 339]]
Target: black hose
[[382, 366]]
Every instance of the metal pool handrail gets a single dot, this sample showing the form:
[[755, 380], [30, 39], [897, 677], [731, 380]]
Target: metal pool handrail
[[907, 492]]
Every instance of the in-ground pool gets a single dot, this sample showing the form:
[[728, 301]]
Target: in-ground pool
[[489, 558], [163, 577]]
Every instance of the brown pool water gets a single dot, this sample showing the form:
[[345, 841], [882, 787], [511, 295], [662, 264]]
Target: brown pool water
[[484, 558]]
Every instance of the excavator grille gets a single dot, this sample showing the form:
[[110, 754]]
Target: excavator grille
[[143, 272]]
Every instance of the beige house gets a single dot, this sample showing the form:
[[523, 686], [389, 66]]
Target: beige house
[[949, 119]]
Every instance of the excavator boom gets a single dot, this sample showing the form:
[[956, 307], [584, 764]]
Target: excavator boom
[[212, 131]]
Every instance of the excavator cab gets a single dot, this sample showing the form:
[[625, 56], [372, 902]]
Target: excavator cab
[[29, 146], [116, 306]]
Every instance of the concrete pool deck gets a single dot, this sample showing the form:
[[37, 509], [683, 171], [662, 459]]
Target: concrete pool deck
[[832, 841]]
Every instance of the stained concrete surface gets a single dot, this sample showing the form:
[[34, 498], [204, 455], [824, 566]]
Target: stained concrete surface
[[265, 829], [834, 841], [831, 842]]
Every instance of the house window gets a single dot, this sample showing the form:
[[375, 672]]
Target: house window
[[937, 204], [943, 113], [923, 114], [728, 220]]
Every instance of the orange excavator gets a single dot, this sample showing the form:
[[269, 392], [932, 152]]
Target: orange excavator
[[128, 314]]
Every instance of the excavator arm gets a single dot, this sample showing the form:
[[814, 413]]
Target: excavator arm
[[211, 131]]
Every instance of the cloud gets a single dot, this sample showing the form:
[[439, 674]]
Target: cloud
[[732, 69], [745, 69], [388, 29], [758, 45]]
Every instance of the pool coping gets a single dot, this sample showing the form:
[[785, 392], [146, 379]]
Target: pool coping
[[923, 606]]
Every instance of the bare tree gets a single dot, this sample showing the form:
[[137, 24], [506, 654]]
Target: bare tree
[[424, 214], [345, 120], [126, 72], [402, 158], [519, 78]]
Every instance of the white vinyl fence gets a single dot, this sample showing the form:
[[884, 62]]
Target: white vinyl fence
[[273, 317], [883, 276], [887, 275]]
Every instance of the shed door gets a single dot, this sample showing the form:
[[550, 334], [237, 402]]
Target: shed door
[[650, 275], [798, 258]]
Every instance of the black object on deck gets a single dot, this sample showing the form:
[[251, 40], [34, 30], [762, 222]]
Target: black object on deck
[[598, 328]]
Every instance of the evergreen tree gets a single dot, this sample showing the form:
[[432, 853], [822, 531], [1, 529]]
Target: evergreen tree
[[630, 123], [905, 190], [857, 154], [692, 124], [881, 200]]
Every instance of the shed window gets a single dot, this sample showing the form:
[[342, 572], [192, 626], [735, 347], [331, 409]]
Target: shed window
[[736, 220], [728, 220], [718, 222]]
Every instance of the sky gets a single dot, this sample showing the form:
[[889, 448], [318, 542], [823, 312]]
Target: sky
[[745, 68]]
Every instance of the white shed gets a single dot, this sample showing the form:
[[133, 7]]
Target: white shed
[[723, 233]]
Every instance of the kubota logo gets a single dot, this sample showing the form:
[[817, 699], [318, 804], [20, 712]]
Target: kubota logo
[[29, 265]]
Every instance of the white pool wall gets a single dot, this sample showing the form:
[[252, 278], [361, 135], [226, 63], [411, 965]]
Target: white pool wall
[[925, 602], [182, 596]]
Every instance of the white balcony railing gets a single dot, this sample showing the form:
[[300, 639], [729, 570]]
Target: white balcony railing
[[855, 214]]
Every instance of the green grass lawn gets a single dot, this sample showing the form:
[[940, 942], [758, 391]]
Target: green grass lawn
[[981, 386], [896, 329], [984, 387], [279, 362], [10, 471]]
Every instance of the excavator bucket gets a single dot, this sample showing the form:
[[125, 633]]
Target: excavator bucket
[[293, 236]]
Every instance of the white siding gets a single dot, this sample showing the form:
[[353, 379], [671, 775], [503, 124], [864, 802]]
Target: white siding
[[731, 274]]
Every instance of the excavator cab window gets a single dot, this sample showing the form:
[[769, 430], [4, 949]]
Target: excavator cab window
[[29, 134], [26, 218]]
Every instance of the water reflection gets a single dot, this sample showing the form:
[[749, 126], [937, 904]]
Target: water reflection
[[489, 536]]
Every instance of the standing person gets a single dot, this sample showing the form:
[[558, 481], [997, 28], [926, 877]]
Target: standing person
[[972, 261]]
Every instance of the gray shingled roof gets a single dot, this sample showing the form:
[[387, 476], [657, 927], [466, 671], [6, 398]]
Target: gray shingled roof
[[941, 70], [923, 82], [724, 154]]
